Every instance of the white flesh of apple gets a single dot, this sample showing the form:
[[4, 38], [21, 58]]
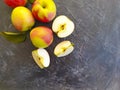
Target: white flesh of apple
[[64, 48], [63, 26], [41, 57]]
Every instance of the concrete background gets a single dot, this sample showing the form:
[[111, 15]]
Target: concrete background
[[94, 64]]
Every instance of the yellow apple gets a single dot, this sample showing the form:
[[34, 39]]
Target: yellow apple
[[22, 18]]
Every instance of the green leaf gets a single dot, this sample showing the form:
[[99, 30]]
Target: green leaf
[[31, 1], [14, 37]]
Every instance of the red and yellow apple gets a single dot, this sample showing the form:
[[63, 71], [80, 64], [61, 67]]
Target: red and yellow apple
[[41, 36], [44, 10], [15, 3], [22, 18]]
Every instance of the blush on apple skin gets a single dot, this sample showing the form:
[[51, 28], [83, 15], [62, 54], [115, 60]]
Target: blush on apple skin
[[15, 3], [42, 14], [48, 37], [20, 24], [22, 18], [43, 35], [49, 18]]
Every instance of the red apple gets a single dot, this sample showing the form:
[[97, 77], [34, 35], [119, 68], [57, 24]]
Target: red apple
[[15, 3], [44, 10], [41, 36]]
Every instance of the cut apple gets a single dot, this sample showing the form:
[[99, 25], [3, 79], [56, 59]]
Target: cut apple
[[63, 48], [63, 26], [41, 57]]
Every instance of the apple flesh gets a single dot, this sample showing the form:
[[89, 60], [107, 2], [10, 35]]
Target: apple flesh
[[22, 18], [63, 48], [41, 57], [41, 36], [63, 26], [15, 3], [44, 10]]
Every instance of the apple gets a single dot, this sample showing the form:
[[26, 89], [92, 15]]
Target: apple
[[44, 10], [22, 18], [63, 26], [63, 48], [41, 57], [41, 36], [15, 3]]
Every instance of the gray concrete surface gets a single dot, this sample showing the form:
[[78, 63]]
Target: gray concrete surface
[[94, 64]]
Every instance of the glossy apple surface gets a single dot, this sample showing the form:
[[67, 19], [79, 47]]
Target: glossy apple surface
[[41, 36], [44, 10], [22, 18], [15, 3]]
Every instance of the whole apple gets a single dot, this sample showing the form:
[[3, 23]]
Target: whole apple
[[41, 36], [44, 10], [15, 3], [22, 18]]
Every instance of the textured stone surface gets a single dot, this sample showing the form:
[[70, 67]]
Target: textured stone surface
[[94, 64]]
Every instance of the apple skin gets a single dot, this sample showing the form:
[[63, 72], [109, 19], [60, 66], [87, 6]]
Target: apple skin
[[44, 10], [41, 36], [22, 18], [15, 3]]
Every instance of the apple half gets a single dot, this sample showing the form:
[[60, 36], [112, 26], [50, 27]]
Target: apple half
[[63, 26], [63, 48], [41, 57]]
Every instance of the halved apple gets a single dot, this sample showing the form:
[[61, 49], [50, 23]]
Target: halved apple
[[63, 26], [63, 48], [41, 57]]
